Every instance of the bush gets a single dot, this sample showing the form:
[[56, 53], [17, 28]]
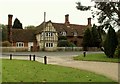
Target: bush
[[117, 52], [6, 44], [71, 44], [63, 43]]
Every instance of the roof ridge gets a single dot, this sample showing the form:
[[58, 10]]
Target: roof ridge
[[70, 24]]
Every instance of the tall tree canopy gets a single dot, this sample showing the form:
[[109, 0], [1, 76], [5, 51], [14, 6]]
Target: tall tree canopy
[[111, 42], [30, 27], [87, 39], [3, 29], [91, 37], [96, 39], [17, 24], [108, 12]]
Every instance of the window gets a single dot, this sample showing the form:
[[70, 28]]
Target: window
[[63, 33], [49, 44], [48, 34], [19, 44], [75, 33]]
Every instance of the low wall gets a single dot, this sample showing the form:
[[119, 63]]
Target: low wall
[[14, 49], [77, 49], [69, 48], [25, 49], [93, 49]]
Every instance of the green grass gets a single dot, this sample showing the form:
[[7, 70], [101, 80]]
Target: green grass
[[96, 57], [32, 71]]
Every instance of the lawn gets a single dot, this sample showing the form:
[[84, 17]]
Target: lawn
[[96, 57], [32, 71]]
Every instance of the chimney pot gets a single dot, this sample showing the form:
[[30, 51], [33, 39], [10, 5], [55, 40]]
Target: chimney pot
[[89, 21], [10, 27], [67, 20]]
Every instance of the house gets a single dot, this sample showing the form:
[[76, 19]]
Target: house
[[45, 36]]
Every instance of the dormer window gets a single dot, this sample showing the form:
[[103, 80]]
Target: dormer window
[[63, 33], [75, 33]]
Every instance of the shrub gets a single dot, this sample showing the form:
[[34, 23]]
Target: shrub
[[63, 43], [117, 52], [6, 44]]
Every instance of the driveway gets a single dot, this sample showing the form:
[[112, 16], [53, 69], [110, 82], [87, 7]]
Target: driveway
[[107, 69]]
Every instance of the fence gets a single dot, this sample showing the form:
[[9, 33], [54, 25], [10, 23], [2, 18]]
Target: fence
[[31, 57]]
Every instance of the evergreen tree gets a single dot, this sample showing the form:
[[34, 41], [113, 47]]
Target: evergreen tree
[[95, 39], [87, 38], [17, 24], [4, 32], [111, 42]]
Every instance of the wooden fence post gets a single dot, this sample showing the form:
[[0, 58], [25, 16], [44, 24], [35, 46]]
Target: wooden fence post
[[84, 53], [30, 57], [33, 57], [45, 59], [10, 56]]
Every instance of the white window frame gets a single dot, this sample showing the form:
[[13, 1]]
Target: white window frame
[[20, 44], [49, 45], [75, 33], [63, 33], [49, 34]]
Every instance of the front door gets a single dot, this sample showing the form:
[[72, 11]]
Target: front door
[[30, 44]]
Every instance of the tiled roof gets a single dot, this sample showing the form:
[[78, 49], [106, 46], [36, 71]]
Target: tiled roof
[[39, 28], [26, 35], [60, 27]]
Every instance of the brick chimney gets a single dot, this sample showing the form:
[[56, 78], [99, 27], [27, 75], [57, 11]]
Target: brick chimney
[[10, 27], [67, 20], [89, 21]]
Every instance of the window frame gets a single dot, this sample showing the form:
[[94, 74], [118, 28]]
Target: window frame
[[48, 34], [19, 44], [75, 33], [49, 45], [63, 33]]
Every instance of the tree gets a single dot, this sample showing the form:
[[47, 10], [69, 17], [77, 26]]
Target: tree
[[108, 12], [62, 42], [87, 39], [4, 32], [95, 39], [110, 43], [91, 37], [17, 24], [117, 52], [30, 27], [62, 38], [81, 7], [118, 35]]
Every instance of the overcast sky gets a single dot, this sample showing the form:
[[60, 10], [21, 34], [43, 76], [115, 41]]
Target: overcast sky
[[31, 12]]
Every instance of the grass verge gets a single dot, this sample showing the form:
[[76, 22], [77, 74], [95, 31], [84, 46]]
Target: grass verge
[[32, 71], [101, 57]]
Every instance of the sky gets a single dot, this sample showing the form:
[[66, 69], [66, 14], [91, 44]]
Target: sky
[[31, 12]]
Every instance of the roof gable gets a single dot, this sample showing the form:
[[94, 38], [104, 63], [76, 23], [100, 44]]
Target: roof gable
[[62, 27]]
